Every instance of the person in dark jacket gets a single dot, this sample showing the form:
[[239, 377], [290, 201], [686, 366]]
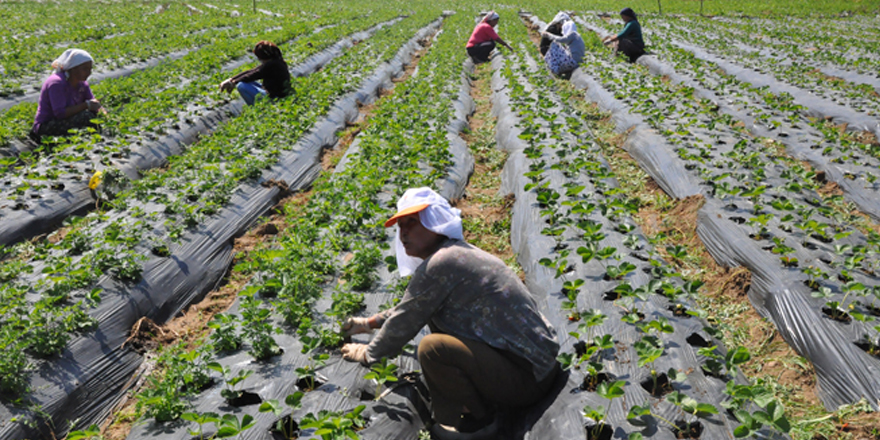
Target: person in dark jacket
[[629, 40], [272, 71]]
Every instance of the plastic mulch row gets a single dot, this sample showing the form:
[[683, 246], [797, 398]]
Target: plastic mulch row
[[86, 380]]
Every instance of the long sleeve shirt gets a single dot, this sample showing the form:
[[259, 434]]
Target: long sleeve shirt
[[574, 42], [275, 76], [56, 95], [465, 292], [632, 31]]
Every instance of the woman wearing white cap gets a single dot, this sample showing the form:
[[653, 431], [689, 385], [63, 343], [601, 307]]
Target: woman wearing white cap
[[566, 48], [490, 347], [66, 100], [483, 39]]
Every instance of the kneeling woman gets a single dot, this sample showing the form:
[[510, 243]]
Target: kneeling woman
[[565, 50], [489, 345], [483, 39], [66, 100], [272, 71]]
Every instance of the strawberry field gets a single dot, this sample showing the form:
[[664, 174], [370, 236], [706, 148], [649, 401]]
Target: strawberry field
[[700, 227]]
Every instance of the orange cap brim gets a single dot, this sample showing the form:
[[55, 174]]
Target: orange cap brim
[[405, 212]]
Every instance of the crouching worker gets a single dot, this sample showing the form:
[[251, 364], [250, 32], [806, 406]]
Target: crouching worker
[[66, 100], [629, 40], [489, 346], [562, 46], [272, 71], [483, 39]]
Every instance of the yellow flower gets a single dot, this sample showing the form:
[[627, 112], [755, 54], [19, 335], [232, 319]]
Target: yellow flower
[[96, 180]]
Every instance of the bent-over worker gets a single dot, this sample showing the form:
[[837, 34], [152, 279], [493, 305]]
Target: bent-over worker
[[489, 345], [66, 100], [272, 71], [629, 40], [483, 39], [566, 48]]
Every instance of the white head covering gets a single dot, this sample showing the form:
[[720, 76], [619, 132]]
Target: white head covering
[[560, 17], [568, 27], [70, 59], [491, 15], [435, 214]]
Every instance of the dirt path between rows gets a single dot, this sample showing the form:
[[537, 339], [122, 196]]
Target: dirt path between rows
[[191, 325]]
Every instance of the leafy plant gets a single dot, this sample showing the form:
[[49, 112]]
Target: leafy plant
[[231, 392], [610, 391], [382, 372], [200, 420], [293, 402], [335, 426]]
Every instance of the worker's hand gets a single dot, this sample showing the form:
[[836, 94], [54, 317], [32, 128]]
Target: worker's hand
[[94, 106], [227, 85], [355, 326], [355, 353]]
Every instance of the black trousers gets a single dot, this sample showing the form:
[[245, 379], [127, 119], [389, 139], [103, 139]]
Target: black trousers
[[631, 49], [480, 52]]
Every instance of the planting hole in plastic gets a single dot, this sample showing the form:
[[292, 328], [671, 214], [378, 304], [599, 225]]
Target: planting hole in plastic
[[872, 348], [659, 387], [601, 432], [696, 340], [679, 310], [285, 428], [591, 382], [688, 429], [836, 314], [309, 383], [246, 398]]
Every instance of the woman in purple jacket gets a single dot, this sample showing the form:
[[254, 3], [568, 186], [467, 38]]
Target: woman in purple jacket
[[66, 101]]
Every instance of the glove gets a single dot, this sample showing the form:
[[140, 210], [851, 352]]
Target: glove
[[356, 325], [355, 353]]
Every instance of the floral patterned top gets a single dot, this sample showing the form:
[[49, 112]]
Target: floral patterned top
[[465, 292]]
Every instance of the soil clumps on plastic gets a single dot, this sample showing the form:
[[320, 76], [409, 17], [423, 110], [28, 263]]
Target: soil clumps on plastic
[[486, 215]]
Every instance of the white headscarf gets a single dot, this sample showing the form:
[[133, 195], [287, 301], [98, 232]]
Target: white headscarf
[[491, 15], [70, 59], [568, 27], [560, 17], [438, 217]]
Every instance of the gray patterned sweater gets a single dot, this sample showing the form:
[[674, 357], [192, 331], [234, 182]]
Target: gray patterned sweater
[[465, 292]]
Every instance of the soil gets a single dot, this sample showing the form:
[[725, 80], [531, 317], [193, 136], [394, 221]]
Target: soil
[[725, 288], [191, 324], [481, 203], [688, 430], [601, 431], [659, 388]]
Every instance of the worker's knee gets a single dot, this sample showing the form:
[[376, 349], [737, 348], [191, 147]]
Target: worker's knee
[[429, 347]]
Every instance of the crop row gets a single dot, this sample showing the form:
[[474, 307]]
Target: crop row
[[658, 356], [324, 267], [850, 43], [54, 183], [860, 97], [133, 39], [750, 178], [147, 98], [154, 212], [844, 157], [288, 121]]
